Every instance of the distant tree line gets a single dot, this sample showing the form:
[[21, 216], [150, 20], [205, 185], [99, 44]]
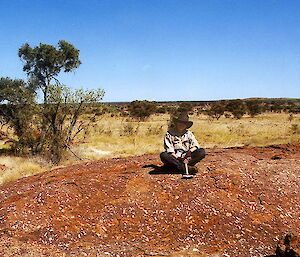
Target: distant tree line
[[236, 108]]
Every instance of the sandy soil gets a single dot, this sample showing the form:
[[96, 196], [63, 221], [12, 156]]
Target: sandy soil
[[241, 203]]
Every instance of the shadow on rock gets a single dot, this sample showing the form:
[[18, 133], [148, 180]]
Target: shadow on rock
[[157, 170]]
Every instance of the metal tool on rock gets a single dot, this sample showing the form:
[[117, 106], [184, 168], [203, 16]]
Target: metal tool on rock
[[186, 175]]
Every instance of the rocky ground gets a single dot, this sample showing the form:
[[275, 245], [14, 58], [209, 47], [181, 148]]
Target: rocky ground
[[242, 202]]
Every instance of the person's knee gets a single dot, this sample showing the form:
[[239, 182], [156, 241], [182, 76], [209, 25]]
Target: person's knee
[[163, 155], [200, 153], [203, 153]]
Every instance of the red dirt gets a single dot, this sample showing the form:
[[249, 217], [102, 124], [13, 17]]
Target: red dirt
[[241, 203]]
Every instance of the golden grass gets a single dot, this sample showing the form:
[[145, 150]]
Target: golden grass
[[263, 130], [124, 137], [13, 168]]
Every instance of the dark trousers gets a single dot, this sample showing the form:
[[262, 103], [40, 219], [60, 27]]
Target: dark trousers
[[170, 160]]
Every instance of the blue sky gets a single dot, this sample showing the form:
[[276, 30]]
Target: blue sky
[[166, 50]]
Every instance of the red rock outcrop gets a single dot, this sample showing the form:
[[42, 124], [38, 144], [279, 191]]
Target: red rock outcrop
[[241, 203]]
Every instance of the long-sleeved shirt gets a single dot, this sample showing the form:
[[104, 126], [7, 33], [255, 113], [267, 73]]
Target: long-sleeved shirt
[[179, 144]]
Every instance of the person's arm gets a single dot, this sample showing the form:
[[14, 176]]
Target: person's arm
[[168, 145], [174, 155], [194, 145], [192, 149]]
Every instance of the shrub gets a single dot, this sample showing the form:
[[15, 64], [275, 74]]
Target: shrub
[[154, 130], [141, 110], [162, 109], [216, 110], [185, 107], [237, 107], [294, 129], [253, 108], [129, 129]]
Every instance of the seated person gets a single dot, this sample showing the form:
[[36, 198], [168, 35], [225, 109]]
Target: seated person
[[181, 145]]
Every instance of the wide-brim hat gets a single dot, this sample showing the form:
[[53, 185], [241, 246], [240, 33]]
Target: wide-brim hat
[[183, 118]]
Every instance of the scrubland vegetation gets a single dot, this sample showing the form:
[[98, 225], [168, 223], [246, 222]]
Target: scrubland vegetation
[[119, 136]]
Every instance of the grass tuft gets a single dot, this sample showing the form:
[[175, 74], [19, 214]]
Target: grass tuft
[[13, 168]]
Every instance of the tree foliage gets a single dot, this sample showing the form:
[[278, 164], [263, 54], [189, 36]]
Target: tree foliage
[[48, 128], [63, 117], [15, 91], [43, 63], [17, 108], [237, 107], [216, 110], [253, 108]]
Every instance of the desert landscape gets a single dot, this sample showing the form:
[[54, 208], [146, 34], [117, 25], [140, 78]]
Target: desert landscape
[[135, 128]]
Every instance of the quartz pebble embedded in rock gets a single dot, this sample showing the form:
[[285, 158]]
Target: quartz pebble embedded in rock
[[240, 203]]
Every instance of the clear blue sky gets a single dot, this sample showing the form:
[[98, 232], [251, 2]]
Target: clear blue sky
[[164, 49]]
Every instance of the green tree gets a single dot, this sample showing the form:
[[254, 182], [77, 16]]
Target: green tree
[[237, 107], [253, 108], [216, 110], [48, 128], [43, 63], [17, 107]]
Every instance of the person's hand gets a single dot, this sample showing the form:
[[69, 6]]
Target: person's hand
[[181, 159], [188, 154], [186, 160]]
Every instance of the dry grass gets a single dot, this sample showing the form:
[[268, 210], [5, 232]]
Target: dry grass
[[120, 137], [13, 168], [263, 130]]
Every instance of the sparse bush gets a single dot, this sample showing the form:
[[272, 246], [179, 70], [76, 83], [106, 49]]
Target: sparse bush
[[101, 130], [276, 108], [227, 115], [185, 107], [200, 110], [63, 117], [253, 108], [171, 109], [237, 130], [141, 110], [237, 107], [162, 109], [154, 130], [294, 129], [129, 129], [216, 111], [295, 109]]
